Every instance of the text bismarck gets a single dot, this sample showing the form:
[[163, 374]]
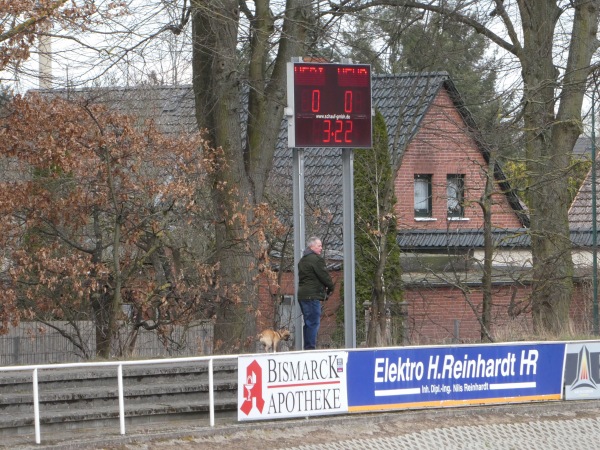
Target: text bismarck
[[326, 368], [387, 370]]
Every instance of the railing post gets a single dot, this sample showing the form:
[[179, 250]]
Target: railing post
[[456, 337], [211, 394], [36, 407], [121, 398]]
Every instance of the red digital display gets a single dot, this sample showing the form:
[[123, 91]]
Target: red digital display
[[332, 105]]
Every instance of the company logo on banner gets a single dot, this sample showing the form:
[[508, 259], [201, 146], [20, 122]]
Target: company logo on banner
[[582, 371], [451, 376], [292, 385]]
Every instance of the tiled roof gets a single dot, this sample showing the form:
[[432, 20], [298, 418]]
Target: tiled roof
[[582, 237], [461, 238], [171, 107], [409, 95], [473, 238], [583, 147]]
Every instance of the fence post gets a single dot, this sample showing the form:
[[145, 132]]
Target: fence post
[[456, 337], [36, 407], [398, 312], [16, 349], [211, 393], [367, 308], [121, 398]]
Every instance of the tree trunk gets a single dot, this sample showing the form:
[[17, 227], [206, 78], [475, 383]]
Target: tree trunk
[[378, 333], [488, 249], [101, 300], [549, 143], [240, 177]]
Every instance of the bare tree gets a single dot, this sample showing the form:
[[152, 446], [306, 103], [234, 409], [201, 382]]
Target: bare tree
[[555, 65], [221, 83]]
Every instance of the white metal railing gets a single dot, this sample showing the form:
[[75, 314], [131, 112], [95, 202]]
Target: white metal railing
[[119, 365]]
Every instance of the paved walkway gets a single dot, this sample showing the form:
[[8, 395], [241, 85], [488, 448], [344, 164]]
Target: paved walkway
[[556, 425], [543, 435]]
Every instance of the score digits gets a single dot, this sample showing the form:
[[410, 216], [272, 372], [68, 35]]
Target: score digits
[[337, 131]]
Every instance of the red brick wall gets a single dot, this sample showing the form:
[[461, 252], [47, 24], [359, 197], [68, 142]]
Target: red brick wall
[[442, 147], [432, 313]]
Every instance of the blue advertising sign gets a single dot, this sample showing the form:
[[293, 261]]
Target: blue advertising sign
[[422, 377]]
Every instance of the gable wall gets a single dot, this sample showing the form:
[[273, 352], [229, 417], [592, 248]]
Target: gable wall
[[442, 147]]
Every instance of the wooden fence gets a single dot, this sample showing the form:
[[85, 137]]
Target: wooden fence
[[37, 343]]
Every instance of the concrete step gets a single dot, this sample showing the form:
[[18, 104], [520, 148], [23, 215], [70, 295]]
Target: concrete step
[[89, 397], [107, 416], [76, 397]]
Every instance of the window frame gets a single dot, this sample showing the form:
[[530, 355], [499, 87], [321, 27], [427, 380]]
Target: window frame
[[428, 211], [456, 182]]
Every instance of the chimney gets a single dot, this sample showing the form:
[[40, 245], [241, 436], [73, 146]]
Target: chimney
[[45, 62]]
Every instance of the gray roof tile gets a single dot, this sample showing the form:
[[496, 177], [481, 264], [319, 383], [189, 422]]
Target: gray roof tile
[[416, 240]]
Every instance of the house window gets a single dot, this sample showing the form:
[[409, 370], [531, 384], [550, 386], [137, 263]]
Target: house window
[[455, 190], [422, 195]]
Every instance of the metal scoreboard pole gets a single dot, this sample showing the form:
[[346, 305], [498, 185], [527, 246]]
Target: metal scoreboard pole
[[329, 105], [299, 239], [348, 230], [298, 204], [349, 287]]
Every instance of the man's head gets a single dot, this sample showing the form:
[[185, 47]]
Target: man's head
[[315, 244]]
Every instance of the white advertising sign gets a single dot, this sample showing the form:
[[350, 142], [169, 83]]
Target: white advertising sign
[[284, 385], [582, 371]]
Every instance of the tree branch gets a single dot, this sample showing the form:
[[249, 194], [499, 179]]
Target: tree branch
[[29, 23], [513, 48]]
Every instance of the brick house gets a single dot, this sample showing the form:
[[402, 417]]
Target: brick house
[[438, 186]]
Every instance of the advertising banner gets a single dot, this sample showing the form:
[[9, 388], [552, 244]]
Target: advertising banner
[[423, 377], [282, 385], [582, 371]]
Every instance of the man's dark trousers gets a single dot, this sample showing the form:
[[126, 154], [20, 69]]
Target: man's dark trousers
[[311, 311]]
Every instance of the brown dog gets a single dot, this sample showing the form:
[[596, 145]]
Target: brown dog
[[270, 338]]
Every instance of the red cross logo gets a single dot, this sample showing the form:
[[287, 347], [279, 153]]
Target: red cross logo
[[253, 389]]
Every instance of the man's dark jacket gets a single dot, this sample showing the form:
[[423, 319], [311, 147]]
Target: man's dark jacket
[[314, 282]]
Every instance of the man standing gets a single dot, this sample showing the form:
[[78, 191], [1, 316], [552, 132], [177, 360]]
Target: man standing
[[314, 285]]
